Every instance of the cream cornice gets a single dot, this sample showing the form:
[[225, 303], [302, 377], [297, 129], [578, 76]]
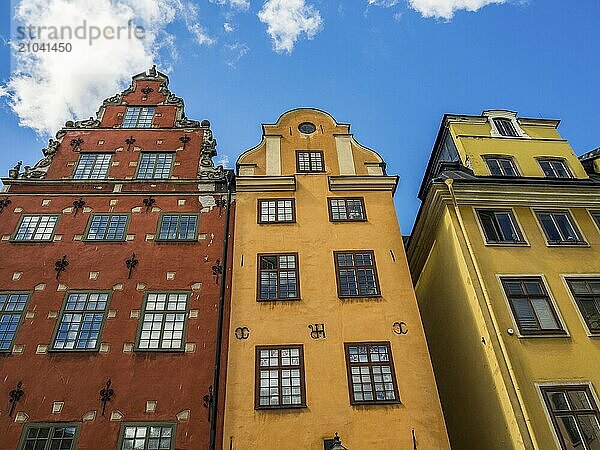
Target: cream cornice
[[265, 183], [514, 138], [363, 183]]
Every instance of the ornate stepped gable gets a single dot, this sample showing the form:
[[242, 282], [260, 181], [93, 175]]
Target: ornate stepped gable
[[206, 169]]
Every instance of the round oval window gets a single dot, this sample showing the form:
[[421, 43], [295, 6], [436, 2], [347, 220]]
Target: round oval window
[[307, 127]]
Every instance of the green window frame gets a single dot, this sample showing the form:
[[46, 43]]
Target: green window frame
[[138, 117], [155, 165], [178, 227], [50, 436], [81, 321], [107, 227], [13, 305], [92, 166], [147, 436], [36, 228], [163, 322]]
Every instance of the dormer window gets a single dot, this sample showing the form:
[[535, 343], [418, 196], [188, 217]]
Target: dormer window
[[138, 116], [555, 168], [505, 127], [307, 162], [501, 166]]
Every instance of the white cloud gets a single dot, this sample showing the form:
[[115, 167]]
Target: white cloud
[[383, 3], [48, 88], [224, 161], [445, 9], [286, 20], [238, 50], [228, 27], [242, 5]]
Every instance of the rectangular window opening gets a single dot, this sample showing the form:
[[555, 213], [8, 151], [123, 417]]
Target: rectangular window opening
[[280, 377]]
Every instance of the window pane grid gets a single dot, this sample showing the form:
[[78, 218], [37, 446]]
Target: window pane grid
[[501, 166], [36, 228], [587, 296], [280, 377], [155, 165], [499, 226], [49, 438], [274, 211], [178, 227], [505, 127], [531, 305], [574, 414], [138, 117], [371, 373], [149, 437], [356, 274], [559, 227], [107, 227], [12, 306], [555, 168], [92, 166], [278, 277], [81, 321], [163, 322], [346, 209], [310, 161]]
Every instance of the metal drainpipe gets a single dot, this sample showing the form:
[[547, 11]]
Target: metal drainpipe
[[217, 374], [495, 324]]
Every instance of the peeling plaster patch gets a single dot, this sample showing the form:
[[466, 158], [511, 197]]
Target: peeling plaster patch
[[133, 164], [118, 287], [57, 237], [89, 416], [46, 202], [116, 163], [18, 210], [78, 237], [134, 314], [52, 314], [149, 237], [6, 237], [18, 349], [193, 313], [140, 287], [41, 349], [156, 209], [170, 276], [100, 142], [130, 237], [113, 202], [137, 209], [117, 187], [116, 415], [68, 210], [57, 407], [202, 236], [190, 347], [183, 416], [87, 210], [30, 314], [196, 286], [207, 201], [40, 287], [104, 347], [151, 406], [21, 417], [112, 313], [17, 276], [62, 287], [94, 275], [181, 202], [127, 347]]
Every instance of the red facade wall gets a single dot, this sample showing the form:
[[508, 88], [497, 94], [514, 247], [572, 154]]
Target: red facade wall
[[177, 381]]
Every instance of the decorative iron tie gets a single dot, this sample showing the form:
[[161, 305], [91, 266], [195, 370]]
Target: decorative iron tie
[[61, 265], [15, 395]]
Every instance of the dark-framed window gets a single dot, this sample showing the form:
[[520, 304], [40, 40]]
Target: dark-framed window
[[559, 227], [500, 226], [531, 306], [356, 273], [36, 228], [107, 227], [279, 377], [92, 166], [276, 210], [278, 277], [505, 127], [596, 217], [555, 168], [138, 116], [12, 309], [586, 292], [81, 321], [502, 166], [350, 209], [147, 436], [155, 165], [371, 375], [178, 227], [574, 415], [163, 322], [310, 161], [49, 436]]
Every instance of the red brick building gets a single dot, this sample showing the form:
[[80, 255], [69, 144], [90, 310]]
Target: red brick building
[[111, 268]]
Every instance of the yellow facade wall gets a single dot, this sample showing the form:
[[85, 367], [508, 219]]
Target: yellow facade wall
[[315, 238]]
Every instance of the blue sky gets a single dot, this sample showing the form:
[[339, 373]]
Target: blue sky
[[388, 70]]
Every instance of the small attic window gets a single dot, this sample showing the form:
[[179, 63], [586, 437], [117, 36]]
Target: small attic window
[[138, 117], [307, 128], [505, 127]]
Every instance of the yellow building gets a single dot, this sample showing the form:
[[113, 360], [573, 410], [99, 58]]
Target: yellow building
[[325, 330], [505, 256]]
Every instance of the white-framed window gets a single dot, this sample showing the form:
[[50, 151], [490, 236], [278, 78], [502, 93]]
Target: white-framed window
[[555, 168], [501, 166], [36, 228], [504, 124], [559, 228]]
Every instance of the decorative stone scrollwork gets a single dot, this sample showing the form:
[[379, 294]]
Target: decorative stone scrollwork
[[184, 122], [207, 169], [88, 123]]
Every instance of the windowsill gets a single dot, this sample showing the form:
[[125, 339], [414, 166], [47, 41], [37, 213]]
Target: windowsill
[[358, 297], [567, 244], [176, 241], [556, 334], [281, 222], [279, 408], [159, 350], [73, 350], [274, 300], [320, 172], [508, 244], [31, 241], [348, 220], [375, 403], [103, 241]]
